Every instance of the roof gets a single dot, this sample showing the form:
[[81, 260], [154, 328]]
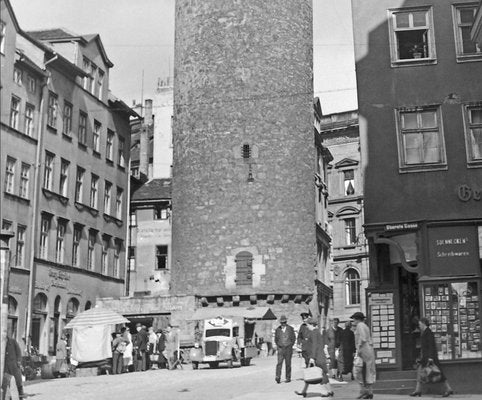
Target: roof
[[155, 189], [227, 312]]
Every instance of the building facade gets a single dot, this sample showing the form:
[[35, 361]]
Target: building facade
[[65, 167], [420, 103], [349, 253]]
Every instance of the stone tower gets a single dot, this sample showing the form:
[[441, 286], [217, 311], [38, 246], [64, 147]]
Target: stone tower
[[244, 156]]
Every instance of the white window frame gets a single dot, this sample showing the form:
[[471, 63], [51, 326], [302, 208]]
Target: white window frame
[[91, 250], [458, 25], [64, 178], [67, 119], [17, 75], [404, 167], [29, 119], [104, 261], [76, 239], [10, 167], [469, 125], [396, 61], [348, 289], [44, 236], [14, 112], [79, 184], [20, 249], [49, 171], [60, 241], [109, 146], [24, 181], [118, 203], [100, 83], [52, 110], [94, 191], [82, 128], [120, 151], [3, 32], [107, 197], [31, 84], [117, 251], [347, 229], [96, 136]]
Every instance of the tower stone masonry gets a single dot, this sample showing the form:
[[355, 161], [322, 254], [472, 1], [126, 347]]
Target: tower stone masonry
[[244, 154]]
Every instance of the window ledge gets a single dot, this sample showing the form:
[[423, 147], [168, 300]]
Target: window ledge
[[85, 207], [95, 153], [474, 164], [110, 218], [17, 198], [20, 133], [413, 62], [423, 168], [50, 195], [463, 58], [51, 129], [109, 162], [67, 136], [121, 167]]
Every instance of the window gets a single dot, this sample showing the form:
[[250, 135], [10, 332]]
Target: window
[[133, 218], [60, 242], [24, 180], [52, 111], [87, 83], [349, 182], [77, 237], [352, 287], [109, 148], [67, 119], [96, 136], [411, 35], [107, 197], [117, 251], [12, 318], [473, 134], [161, 212], [104, 264], [132, 258], [29, 111], [246, 151], [94, 190], [464, 17], [244, 268], [44, 236], [64, 178], [350, 231], [79, 184], [10, 174], [14, 112], [161, 257], [91, 250], [118, 203], [20, 250], [72, 308], [48, 171], [17, 75], [93, 74], [3, 28], [31, 84], [121, 160], [82, 128], [421, 142], [100, 83], [6, 225]]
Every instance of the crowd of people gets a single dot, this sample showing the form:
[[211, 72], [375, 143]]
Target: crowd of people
[[145, 349]]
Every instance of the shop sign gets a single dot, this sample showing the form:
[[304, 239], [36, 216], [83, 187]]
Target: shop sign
[[466, 193], [453, 250], [401, 227]]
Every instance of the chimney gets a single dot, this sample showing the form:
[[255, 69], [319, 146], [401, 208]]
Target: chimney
[[144, 140]]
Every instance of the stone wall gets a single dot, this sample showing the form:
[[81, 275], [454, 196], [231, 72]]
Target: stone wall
[[243, 77]]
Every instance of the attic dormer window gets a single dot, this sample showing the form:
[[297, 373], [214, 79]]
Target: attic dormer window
[[246, 151]]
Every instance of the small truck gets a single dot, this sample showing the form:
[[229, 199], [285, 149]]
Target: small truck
[[221, 342]]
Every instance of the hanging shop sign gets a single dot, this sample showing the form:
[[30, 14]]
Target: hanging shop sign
[[453, 250]]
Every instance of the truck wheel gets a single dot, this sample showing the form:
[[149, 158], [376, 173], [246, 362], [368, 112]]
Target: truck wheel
[[230, 363], [195, 365]]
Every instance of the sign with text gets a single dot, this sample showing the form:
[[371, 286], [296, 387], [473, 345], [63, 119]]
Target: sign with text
[[453, 250]]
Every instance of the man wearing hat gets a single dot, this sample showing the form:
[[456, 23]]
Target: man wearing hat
[[284, 339], [303, 336]]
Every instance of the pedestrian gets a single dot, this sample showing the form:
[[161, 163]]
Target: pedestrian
[[151, 347], [364, 350], [172, 347], [346, 352], [61, 365], [284, 338], [161, 347], [428, 354], [141, 347], [119, 345], [317, 358], [302, 340], [127, 361], [13, 363], [333, 334]]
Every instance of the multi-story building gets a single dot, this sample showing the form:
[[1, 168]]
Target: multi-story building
[[420, 103], [349, 251], [66, 142]]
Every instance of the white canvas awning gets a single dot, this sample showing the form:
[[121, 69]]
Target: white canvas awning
[[229, 312], [96, 316]]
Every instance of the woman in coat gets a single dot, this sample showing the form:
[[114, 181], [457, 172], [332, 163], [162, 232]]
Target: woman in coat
[[364, 350], [347, 351], [428, 353], [61, 365], [317, 357]]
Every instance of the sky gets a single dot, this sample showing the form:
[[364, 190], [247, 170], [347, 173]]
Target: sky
[[139, 40]]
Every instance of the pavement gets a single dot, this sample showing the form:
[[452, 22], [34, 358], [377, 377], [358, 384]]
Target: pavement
[[255, 382]]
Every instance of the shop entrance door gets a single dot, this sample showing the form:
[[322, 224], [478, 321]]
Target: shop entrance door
[[409, 315]]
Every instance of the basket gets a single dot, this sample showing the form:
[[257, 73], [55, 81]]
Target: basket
[[313, 375]]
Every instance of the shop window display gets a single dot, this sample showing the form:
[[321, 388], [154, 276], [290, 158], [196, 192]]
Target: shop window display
[[454, 312]]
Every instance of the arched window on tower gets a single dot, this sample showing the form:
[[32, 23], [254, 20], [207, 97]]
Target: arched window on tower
[[244, 269], [352, 287]]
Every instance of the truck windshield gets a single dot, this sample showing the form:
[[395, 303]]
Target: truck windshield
[[217, 332]]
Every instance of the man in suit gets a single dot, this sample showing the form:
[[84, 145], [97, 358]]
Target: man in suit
[[303, 336], [13, 362], [141, 343], [284, 338]]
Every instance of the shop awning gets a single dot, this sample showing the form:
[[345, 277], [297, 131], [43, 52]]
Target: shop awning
[[228, 312]]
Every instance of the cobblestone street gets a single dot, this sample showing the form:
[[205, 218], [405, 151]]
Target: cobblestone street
[[255, 382]]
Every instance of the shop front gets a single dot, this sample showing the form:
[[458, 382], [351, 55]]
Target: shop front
[[427, 269]]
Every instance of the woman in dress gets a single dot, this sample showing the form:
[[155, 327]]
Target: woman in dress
[[61, 365], [364, 350], [428, 353]]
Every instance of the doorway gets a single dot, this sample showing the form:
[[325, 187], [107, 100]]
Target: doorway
[[409, 315]]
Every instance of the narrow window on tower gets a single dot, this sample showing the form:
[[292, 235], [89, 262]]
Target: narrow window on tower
[[161, 257], [246, 151], [349, 182]]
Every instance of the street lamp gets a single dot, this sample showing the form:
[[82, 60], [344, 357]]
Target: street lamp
[[5, 237]]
